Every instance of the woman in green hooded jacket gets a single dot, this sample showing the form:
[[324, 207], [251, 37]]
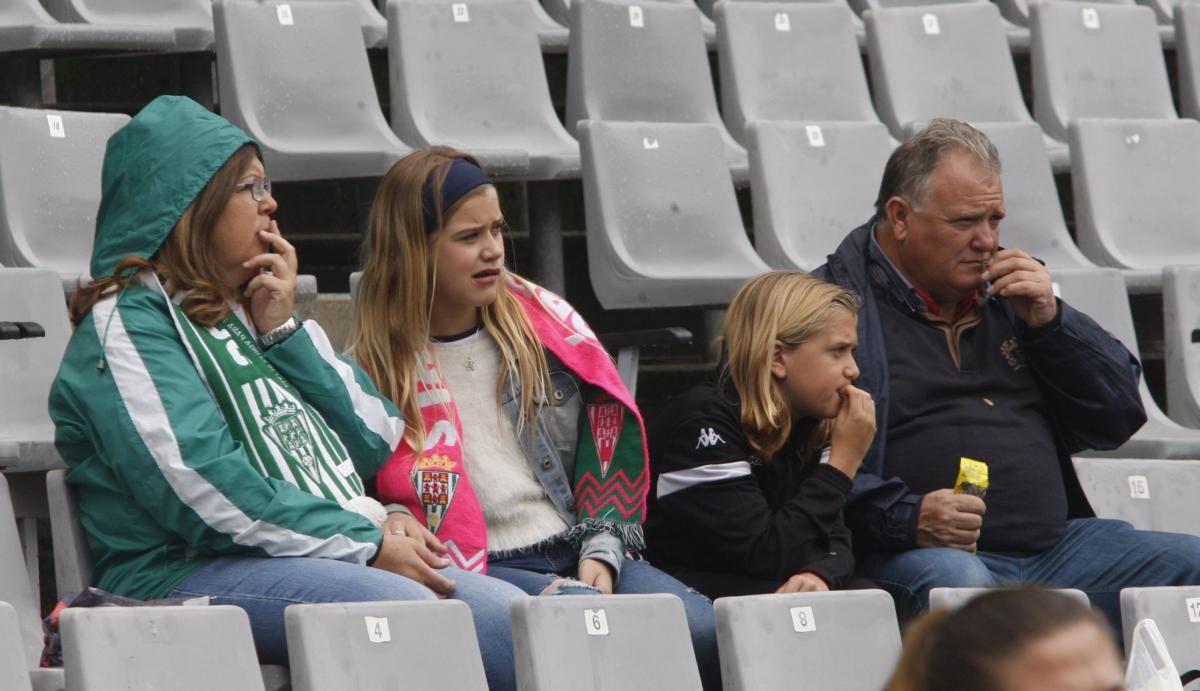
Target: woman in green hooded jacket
[[218, 446]]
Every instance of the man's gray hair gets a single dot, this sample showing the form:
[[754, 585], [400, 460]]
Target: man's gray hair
[[911, 165]]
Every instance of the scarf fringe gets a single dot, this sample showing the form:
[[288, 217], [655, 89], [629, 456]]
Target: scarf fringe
[[630, 534]]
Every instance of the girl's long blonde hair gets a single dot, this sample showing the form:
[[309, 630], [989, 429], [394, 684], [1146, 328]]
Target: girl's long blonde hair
[[395, 296], [786, 306], [186, 259]]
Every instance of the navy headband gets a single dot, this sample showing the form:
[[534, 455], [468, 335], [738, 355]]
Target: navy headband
[[462, 177]]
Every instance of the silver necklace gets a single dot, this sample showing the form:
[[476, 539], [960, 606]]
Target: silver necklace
[[469, 362]]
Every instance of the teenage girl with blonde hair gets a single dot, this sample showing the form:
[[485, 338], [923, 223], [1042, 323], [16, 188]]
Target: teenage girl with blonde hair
[[524, 454], [751, 472]]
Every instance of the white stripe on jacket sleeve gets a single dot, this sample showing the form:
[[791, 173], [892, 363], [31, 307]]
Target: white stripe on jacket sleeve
[[669, 483]]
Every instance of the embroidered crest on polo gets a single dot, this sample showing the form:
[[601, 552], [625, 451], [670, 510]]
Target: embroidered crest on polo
[[709, 437], [1013, 355]]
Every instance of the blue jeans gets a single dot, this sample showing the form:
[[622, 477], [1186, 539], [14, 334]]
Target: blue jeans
[[264, 587], [1098, 556], [535, 568]]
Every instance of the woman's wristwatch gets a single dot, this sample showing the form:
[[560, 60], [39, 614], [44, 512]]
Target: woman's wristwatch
[[279, 333]]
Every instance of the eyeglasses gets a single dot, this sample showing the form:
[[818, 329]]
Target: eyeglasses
[[259, 188]]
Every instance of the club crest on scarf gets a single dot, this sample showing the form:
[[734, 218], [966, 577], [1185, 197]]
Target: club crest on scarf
[[435, 482], [283, 425], [606, 418]]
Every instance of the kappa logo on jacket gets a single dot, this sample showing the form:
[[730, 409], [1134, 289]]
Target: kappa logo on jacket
[[709, 437]]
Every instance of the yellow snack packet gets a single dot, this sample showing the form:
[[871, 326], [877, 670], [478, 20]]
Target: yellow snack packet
[[972, 477]]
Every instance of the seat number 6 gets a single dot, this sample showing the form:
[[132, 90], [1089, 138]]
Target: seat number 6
[[596, 622]]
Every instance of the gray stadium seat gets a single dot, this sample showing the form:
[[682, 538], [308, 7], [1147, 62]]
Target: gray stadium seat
[[296, 78], [1100, 293], [14, 672], [374, 26], [810, 186], [1176, 611], [642, 62], [560, 12], [789, 61], [384, 646], [1150, 494], [1135, 197], [442, 93], [1016, 36], [597, 643], [26, 26], [50, 187], [190, 20], [1181, 312], [1187, 36], [945, 61], [29, 366], [73, 558], [953, 598], [1017, 11], [1096, 61], [663, 227], [1033, 218], [197, 648], [807, 641], [709, 7]]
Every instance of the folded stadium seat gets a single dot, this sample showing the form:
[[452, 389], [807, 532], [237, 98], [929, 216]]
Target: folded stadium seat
[[953, 598], [15, 590], [593, 643], [191, 20], [25, 26], [1181, 313], [1033, 218], [73, 559], [50, 187], [809, 184], [296, 78], [14, 672], [364, 646], [947, 60], [1100, 293], [1016, 36], [1017, 12], [1187, 34], [180, 648], [498, 109], [807, 640], [1149, 494], [1096, 61], [789, 61], [34, 331], [642, 62], [1135, 196], [1175, 610], [663, 227]]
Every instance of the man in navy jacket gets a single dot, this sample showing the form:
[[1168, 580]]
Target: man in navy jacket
[[969, 354]]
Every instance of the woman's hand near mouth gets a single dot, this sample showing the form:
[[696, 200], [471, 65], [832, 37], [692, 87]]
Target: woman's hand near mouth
[[272, 293]]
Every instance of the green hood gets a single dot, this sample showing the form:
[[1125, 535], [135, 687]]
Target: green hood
[[154, 167]]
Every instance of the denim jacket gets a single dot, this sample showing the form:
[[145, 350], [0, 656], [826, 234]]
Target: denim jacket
[[551, 452], [1088, 379]]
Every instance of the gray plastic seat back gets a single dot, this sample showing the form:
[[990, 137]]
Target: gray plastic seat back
[[443, 93], [380, 646], [662, 218], [177, 648], [942, 61], [50, 164], [14, 674], [1096, 61], [1187, 46], [1135, 197], [191, 20], [1017, 11], [1033, 218], [596, 643], [1176, 611], [807, 640], [1150, 494], [638, 61], [26, 26], [953, 598], [1181, 312], [72, 556], [14, 582], [789, 61], [29, 366], [295, 76], [811, 186]]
